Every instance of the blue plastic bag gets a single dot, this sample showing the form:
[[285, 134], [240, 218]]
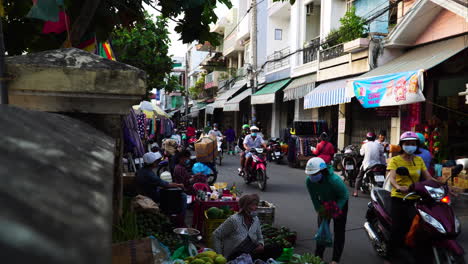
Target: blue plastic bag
[[324, 236], [201, 168]]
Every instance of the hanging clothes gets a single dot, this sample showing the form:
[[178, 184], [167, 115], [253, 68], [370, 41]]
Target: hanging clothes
[[132, 138]]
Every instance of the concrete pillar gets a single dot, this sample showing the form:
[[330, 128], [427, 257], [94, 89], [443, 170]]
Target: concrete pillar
[[230, 66], [395, 129], [297, 107], [342, 126], [239, 59], [275, 120]]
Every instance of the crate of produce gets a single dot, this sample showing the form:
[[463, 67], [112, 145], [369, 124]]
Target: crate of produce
[[210, 226], [266, 212]]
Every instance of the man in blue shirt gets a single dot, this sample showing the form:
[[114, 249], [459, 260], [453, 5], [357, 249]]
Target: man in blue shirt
[[148, 182], [424, 153], [252, 141]]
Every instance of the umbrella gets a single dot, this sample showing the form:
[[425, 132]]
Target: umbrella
[[149, 109]]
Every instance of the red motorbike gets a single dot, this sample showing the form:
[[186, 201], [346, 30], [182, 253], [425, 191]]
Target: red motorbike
[[256, 170]]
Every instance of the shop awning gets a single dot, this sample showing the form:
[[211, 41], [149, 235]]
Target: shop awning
[[299, 87], [222, 98], [233, 104], [401, 81], [329, 93], [267, 94]]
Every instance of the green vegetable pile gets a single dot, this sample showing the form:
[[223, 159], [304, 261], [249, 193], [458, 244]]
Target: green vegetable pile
[[306, 258], [219, 213], [278, 236], [159, 226]]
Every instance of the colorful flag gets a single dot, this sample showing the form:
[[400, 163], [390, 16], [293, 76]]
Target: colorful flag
[[47, 10], [105, 50], [57, 27], [88, 43]]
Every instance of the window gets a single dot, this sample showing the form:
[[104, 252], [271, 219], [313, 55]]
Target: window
[[278, 34]]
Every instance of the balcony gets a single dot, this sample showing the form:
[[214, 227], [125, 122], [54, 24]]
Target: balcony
[[278, 9], [332, 53], [213, 61], [311, 51], [212, 79], [279, 59]]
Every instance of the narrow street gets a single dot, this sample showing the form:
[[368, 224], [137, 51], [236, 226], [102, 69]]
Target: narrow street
[[294, 209]]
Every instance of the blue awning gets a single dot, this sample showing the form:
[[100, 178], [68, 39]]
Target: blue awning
[[326, 94]]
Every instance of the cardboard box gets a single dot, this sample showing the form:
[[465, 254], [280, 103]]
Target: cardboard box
[[446, 173], [133, 252], [206, 149]]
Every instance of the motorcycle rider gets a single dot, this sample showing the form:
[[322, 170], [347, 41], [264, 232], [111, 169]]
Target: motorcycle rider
[[252, 141], [240, 144], [325, 149], [403, 211], [325, 186], [425, 154], [373, 153], [215, 131]]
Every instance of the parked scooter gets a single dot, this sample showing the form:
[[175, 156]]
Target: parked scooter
[[373, 177], [350, 164], [438, 226], [274, 151], [256, 170]]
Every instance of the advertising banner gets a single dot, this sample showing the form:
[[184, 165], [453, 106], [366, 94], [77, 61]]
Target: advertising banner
[[391, 89]]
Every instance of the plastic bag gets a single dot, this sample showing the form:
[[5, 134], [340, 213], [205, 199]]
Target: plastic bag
[[201, 168], [161, 254], [242, 259], [286, 255], [323, 236]]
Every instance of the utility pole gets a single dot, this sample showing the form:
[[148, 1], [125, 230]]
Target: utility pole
[[186, 86], [253, 46]]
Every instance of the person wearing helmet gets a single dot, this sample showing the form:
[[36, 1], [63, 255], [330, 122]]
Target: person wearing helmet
[[373, 153], [424, 153], [325, 149], [240, 144], [252, 141], [215, 131], [325, 186], [403, 211]]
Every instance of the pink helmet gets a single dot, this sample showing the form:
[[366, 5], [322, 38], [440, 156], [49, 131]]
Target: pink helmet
[[409, 135]]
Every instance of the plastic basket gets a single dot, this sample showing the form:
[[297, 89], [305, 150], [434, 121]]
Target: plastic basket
[[266, 212], [209, 228]]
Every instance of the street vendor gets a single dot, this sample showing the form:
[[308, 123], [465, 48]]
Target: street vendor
[[183, 176], [241, 233], [148, 182]]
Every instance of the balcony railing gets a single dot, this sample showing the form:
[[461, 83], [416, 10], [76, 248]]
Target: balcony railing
[[311, 50], [278, 59], [331, 53]]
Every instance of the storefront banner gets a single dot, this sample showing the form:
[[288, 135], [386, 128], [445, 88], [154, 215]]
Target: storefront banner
[[391, 89]]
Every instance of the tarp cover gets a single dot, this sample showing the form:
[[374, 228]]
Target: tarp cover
[[56, 191], [233, 104], [299, 87]]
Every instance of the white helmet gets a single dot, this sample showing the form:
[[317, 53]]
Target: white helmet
[[254, 128], [315, 165]]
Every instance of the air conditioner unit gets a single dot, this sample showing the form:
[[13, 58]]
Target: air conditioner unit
[[310, 9]]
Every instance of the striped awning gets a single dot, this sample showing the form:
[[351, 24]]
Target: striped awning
[[329, 93], [222, 98], [299, 87], [233, 104], [267, 94]]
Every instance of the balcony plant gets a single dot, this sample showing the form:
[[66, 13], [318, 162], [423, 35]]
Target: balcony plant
[[196, 90]]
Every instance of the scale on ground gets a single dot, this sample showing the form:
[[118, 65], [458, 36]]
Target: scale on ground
[[188, 235]]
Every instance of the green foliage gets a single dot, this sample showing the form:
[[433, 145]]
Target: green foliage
[[352, 26], [198, 88], [173, 85], [146, 46], [24, 34]]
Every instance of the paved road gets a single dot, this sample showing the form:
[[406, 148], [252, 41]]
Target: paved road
[[294, 209]]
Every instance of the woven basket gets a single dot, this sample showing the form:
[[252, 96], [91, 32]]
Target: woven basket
[[266, 212]]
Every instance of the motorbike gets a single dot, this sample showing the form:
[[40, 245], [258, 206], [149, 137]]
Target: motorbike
[[437, 228], [350, 164], [211, 178], [274, 151], [337, 161], [256, 170], [373, 177]]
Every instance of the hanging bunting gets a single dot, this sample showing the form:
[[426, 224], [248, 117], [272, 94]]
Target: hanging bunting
[[105, 50], [88, 43], [47, 10], [57, 27]]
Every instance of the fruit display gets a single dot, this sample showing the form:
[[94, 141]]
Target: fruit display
[[219, 213], [207, 257], [159, 226], [278, 236]]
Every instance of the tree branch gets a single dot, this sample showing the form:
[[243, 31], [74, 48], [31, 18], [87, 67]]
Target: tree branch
[[82, 22]]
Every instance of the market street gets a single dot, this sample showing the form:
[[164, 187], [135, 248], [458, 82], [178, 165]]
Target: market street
[[294, 209]]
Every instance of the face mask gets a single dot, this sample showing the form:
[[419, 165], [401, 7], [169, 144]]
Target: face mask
[[409, 149], [315, 178], [254, 134]]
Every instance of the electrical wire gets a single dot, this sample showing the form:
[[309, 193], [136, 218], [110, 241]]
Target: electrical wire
[[447, 108]]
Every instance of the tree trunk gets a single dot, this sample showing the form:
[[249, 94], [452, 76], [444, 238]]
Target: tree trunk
[[81, 24]]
